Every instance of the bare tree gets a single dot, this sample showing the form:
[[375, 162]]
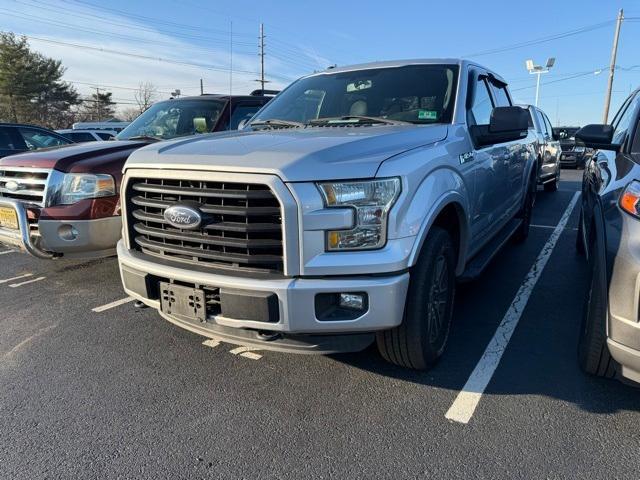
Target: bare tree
[[146, 94], [130, 114]]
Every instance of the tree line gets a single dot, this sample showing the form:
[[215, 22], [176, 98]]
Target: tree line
[[32, 90]]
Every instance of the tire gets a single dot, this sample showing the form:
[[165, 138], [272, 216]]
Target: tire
[[524, 214], [593, 354], [420, 339], [553, 186]]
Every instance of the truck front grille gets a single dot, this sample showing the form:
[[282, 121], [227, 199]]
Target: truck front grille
[[26, 184], [241, 228]]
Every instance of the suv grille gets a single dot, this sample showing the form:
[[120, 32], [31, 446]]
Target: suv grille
[[27, 184], [241, 228]]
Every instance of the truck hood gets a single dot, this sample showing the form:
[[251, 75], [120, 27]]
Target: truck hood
[[295, 155], [78, 158]]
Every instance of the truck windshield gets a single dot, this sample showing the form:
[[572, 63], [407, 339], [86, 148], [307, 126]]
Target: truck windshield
[[413, 93], [175, 118]]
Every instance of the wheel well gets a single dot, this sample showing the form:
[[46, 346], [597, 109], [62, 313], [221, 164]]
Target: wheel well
[[449, 219]]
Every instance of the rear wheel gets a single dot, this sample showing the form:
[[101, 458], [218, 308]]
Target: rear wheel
[[593, 354], [420, 339]]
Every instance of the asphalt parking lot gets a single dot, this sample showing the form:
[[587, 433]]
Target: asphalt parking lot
[[95, 389]]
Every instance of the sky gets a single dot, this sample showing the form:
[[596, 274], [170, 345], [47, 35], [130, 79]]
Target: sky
[[117, 44]]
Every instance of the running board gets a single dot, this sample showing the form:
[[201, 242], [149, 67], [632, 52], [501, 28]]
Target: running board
[[480, 261]]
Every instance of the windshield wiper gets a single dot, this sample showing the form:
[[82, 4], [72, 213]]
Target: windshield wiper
[[144, 137], [356, 119], [276, 123]]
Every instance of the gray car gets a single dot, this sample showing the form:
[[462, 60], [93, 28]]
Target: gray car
[[608, 233], [547, 149], [342, 214]]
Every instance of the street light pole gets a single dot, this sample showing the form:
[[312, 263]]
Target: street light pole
[[539, 70]]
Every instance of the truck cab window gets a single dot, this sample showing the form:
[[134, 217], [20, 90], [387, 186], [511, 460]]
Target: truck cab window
[[482, 104]]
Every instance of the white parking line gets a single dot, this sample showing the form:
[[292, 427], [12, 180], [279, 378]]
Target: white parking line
[[467, 400], [246, 352], [117, 303], [7, 280], [551, 227], [211, 343], [14, 285], [6, 251]]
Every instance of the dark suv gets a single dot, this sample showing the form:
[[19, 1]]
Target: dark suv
[[608, 233], [18, 138]]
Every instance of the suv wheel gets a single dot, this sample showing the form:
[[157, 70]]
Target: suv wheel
[[593, 353], [524, 214], [420, 339]]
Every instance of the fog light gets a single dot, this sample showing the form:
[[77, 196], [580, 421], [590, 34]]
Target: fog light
[[67, 232], [354, 301], [335, 307]]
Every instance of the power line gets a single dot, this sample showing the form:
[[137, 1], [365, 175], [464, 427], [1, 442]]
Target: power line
[[578, 75], [144, 57], [537, 41]]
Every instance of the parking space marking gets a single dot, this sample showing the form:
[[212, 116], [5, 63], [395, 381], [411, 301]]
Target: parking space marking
[[7, 280], [467, 400], [15, 285], [111, 305], [246, 352], [551, 227], [211, 343], [6, 251]]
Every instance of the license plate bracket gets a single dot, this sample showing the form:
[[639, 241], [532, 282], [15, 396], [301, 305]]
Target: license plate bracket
[[185, 303], [8, 218]]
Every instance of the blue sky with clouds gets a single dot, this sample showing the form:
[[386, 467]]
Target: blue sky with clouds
[[192, 37]]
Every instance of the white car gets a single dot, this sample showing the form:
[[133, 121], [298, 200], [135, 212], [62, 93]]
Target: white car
[[79, 136]]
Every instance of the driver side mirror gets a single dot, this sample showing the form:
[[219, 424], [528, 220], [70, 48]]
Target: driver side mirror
[[597, 136], [506, 124]]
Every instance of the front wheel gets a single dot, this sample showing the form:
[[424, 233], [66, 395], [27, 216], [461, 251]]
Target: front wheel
[[593, 354], [420, 339]]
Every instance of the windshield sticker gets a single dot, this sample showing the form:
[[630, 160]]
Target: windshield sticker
[[427, 115]]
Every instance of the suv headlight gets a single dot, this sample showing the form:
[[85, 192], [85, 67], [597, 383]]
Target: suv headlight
[[79, 186], [579, 148], [371, 200]]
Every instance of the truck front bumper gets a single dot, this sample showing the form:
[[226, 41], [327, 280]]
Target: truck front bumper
[[295, 326], [71, 238]]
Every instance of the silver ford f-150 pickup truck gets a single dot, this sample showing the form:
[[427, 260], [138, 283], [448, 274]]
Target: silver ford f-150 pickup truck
[[344, 212]]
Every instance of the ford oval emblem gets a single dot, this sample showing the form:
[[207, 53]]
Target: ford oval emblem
[[12, 186], [183, 216]]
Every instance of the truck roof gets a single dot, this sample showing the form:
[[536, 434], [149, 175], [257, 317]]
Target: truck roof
[[402, 63]]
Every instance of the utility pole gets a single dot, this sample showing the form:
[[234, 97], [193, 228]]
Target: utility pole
[[262, 56], [612, 66], [201, 88]]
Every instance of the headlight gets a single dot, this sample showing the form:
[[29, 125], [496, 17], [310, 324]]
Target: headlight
[[630, 199], [371, 201], [578, 149], [79, 186]]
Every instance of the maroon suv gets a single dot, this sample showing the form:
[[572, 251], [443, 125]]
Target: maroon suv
[[65, 201]]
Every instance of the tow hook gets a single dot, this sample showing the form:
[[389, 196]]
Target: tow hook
[[267, 336]]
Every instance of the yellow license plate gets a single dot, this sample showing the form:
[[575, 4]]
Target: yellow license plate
[[8, 218]]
